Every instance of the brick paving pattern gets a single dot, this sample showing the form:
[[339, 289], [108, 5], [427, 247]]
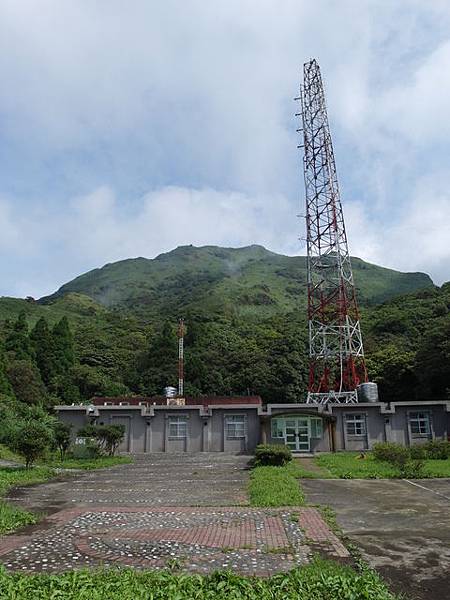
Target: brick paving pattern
[[247, 540]]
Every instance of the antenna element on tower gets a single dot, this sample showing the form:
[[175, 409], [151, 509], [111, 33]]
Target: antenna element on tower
[[181, 331]]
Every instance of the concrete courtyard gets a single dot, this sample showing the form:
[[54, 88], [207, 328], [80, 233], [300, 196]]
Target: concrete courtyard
[[401, 527], [163, 510]]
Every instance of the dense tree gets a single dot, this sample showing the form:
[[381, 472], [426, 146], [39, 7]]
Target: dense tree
[[18, 344], [63, 346], [44, 350], [26, 382]]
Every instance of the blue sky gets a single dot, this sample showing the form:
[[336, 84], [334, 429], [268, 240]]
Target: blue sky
[[127, 129]]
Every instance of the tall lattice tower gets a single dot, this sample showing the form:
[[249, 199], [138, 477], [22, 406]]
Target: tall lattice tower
[[336, 352]]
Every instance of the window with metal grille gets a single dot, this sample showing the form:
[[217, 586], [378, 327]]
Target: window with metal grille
[[235, 426], [420, 423], [355, 424], [177, 427]]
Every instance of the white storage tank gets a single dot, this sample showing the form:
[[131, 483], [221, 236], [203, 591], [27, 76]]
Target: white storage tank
[[367, 392], [170, 391]]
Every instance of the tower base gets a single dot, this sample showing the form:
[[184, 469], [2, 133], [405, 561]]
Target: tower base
[[333, 397]]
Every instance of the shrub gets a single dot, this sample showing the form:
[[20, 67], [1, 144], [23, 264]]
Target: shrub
[[437, 449], [87, 450], [30, 439], [107, 437], [418, 452], [62, 437], [391, 452], [272, 455], [413, 469]]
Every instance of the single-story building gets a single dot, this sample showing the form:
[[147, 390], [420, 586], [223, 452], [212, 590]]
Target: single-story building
[[237, 424]]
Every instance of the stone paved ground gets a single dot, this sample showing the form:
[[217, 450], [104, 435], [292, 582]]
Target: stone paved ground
[[164, 508], [203, 479], [402, 528]]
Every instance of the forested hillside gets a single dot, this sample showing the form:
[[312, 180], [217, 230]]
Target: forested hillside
[[113, 330]]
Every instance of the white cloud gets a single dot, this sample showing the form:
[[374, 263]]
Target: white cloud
[[102, 102]]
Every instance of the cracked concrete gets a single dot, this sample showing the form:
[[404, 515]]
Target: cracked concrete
[[402, 530]]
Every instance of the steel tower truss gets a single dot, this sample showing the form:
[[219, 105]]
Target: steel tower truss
[[336, 351]]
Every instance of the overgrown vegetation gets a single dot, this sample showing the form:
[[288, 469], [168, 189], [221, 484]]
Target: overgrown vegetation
[[354, 465], [322, 580], [12, 517], [276, 486], [106, 437], [276, 455]]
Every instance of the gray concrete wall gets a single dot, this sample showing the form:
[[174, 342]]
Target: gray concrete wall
[[218, 441], [77, 419]]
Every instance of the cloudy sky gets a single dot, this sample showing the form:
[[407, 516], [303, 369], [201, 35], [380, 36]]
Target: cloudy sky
[[128, 128]]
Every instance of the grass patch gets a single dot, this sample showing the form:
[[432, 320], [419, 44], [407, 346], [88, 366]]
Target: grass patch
[[321, 580], [276, 486], [12, 517], [349, 465], [12, 476], [90, 463]]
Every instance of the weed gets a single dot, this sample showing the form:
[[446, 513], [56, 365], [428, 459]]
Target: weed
[[276, 486], [317, 581]]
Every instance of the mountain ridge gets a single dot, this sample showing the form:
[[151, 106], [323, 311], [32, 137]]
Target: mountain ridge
[[249, 280]]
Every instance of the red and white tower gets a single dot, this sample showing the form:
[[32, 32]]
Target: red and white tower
[[336, 351]]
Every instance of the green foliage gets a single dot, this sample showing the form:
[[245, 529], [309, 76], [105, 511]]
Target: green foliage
[[391, 452], [61, 434], [88, 464], [30, 434], [13, 517], [350, 465], [87, 451], [321, 580], [108, 437], [276, 455], [30, 440], [17, 342], [437, 449], [44, 350], [276, 486], [418, 452], [26, 382], [63, 346]]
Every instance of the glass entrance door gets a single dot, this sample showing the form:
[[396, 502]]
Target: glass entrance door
[[297, 435], [303, 435], [290, 434]]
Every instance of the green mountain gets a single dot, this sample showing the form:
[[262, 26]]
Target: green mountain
[[245, 310], [231, 281]]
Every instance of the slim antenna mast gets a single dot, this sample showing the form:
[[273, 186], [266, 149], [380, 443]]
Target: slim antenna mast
[[336, 351], [181, 331]]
